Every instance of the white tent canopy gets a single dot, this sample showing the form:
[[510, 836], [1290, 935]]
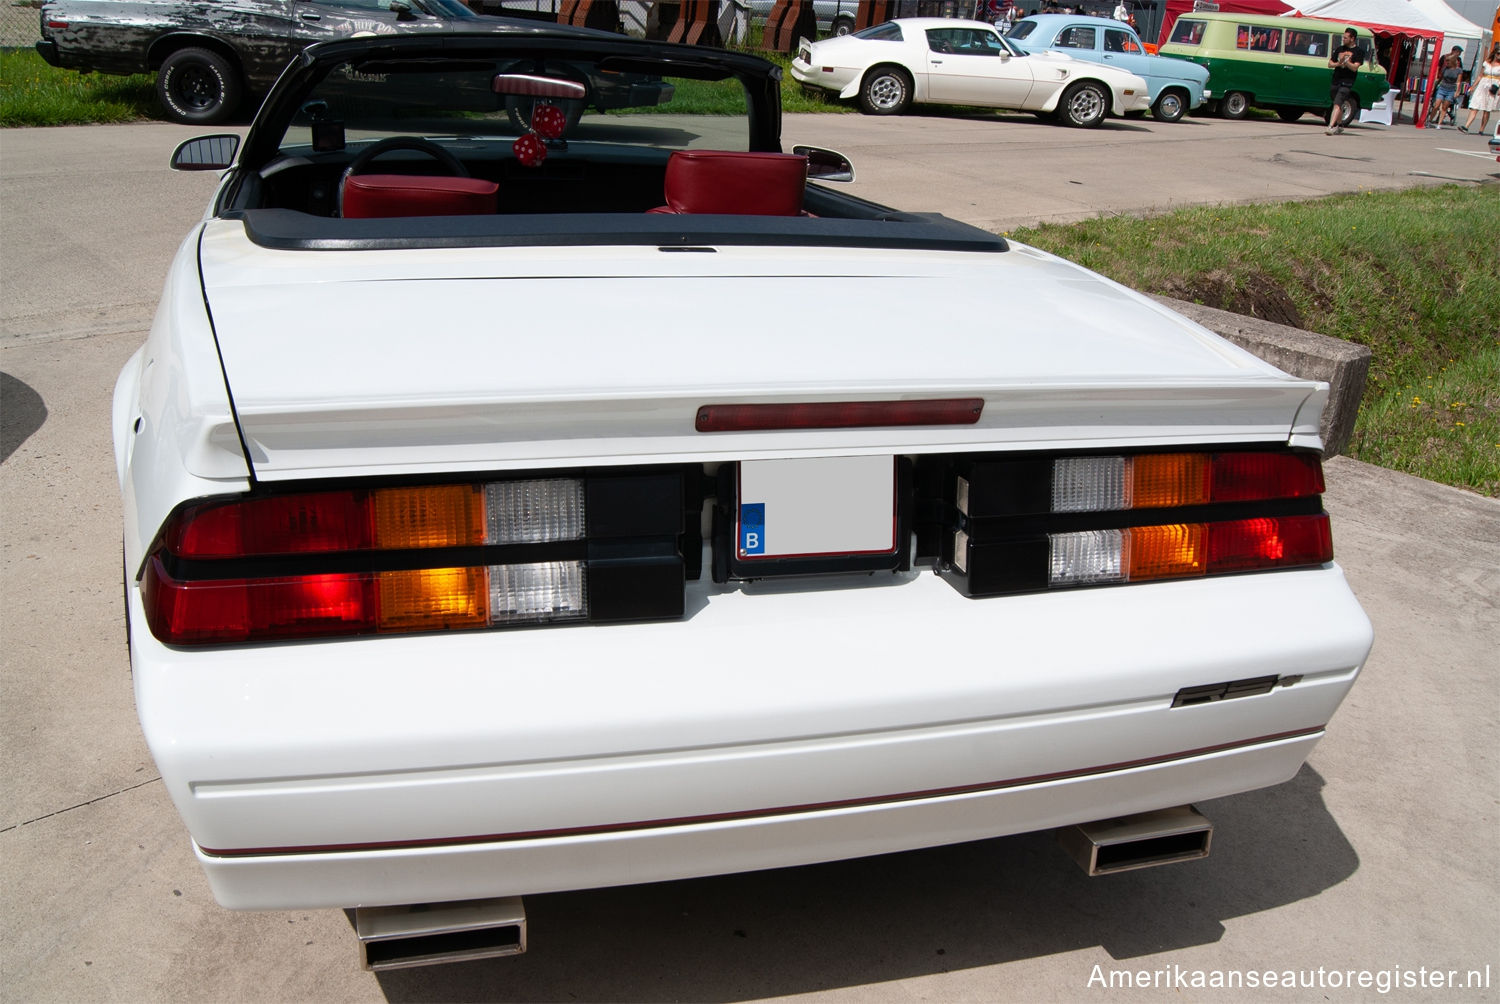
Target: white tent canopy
[[1429, 16], [1397, 13], [1454, 24]]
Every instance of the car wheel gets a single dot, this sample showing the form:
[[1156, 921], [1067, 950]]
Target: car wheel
[[1349, 112], [843, 25], [1289, 114], [1169, 107], [198, 86], [1236, 105], [886, 91], [1084, 105]]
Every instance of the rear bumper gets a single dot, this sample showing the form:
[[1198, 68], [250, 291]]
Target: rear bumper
[[481, 869], [773, 726], [842, 79], [47, 49]]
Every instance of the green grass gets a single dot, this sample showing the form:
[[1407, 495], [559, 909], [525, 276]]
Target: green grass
[[1411, 274], [35, 94]]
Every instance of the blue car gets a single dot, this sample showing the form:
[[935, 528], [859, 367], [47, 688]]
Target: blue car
[[1176, 85]]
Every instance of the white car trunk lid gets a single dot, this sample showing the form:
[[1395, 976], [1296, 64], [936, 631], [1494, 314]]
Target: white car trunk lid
[[363, 362]]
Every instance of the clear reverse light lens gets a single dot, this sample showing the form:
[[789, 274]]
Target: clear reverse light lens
[[533, 512], [1090, 484], [1088, 557], [546, 590]]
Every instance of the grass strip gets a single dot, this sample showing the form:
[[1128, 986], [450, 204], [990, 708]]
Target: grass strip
[[1411, 274], [35, 94]]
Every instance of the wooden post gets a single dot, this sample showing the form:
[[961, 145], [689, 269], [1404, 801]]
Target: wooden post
[[603, 15], [698, 24], [788, 21]]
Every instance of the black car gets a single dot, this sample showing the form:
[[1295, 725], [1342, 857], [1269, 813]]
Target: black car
[[208, 56]]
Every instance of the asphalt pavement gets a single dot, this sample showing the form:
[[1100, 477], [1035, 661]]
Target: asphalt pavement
[[1378, 862]]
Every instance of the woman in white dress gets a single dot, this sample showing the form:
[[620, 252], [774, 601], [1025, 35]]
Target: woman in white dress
[[1484, 96]]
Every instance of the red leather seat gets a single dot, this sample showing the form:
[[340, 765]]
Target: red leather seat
[[368, 196], [737, 183]]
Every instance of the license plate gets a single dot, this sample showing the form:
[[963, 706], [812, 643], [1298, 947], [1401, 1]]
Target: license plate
[[816, 508]]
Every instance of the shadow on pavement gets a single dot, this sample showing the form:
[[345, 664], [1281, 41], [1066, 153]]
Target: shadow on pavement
[[22, 412], [855, 923]]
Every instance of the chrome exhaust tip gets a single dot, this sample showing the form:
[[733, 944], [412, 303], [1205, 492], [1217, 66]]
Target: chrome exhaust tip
[[429, 934], [1126, 843]]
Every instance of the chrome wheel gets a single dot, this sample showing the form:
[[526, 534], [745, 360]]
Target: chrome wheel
[[1085, 105], [886, 91], [1235, 105], [1169, 107]]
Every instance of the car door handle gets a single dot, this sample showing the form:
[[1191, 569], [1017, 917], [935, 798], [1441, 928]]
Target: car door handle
[[936, 62], [311, 17]]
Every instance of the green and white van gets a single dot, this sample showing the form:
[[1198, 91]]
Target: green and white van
[[1272, 62]]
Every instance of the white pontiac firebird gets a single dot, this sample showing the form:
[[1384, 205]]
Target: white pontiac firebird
[[519, 502], [928, 60]]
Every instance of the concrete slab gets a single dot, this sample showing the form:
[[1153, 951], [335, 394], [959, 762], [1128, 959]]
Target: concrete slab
[[1379, 857]]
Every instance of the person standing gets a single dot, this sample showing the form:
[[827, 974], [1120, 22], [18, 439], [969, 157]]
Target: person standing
[[1345, 62], [1449, 71], [1484, 96]]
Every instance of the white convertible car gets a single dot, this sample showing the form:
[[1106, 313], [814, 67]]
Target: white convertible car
[[615, 501], [941, 61]]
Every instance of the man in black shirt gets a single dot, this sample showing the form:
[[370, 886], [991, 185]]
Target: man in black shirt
[[1346, 62]]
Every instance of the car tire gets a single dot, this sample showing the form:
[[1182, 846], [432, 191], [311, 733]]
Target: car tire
[[1170, 107], [843, 25], [886, 91], [1290, 114], [198, 86], [1084, 105], [1350, 112], [1236, 105]]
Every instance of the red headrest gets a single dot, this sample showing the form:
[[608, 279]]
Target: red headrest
[[374, 195], [749, 184]]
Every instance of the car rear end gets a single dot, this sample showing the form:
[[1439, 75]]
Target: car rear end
[[485, 572]]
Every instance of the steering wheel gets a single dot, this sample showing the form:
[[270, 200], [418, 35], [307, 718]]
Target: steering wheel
[[446, 159]]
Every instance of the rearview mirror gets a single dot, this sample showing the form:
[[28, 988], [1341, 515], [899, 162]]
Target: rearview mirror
[[206, 153], [825, 165]]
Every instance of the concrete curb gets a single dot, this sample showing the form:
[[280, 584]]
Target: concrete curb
[[1307, 354]]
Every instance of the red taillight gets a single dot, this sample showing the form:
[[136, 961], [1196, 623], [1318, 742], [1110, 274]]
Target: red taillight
[[57, 25], [1269, 542], [403, 558], [229, 610], [837, 415], [1252, 476], [1120, 518], [295, 524]]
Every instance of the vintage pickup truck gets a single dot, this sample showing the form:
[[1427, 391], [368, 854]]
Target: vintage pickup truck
[[208, 57]]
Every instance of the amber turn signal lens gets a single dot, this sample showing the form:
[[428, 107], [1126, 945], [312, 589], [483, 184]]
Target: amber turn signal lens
[[1169, 479], [1173, 551], [436, 516], [430, 599]]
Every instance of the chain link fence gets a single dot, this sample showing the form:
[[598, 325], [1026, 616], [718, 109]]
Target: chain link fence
[[18, 23]]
